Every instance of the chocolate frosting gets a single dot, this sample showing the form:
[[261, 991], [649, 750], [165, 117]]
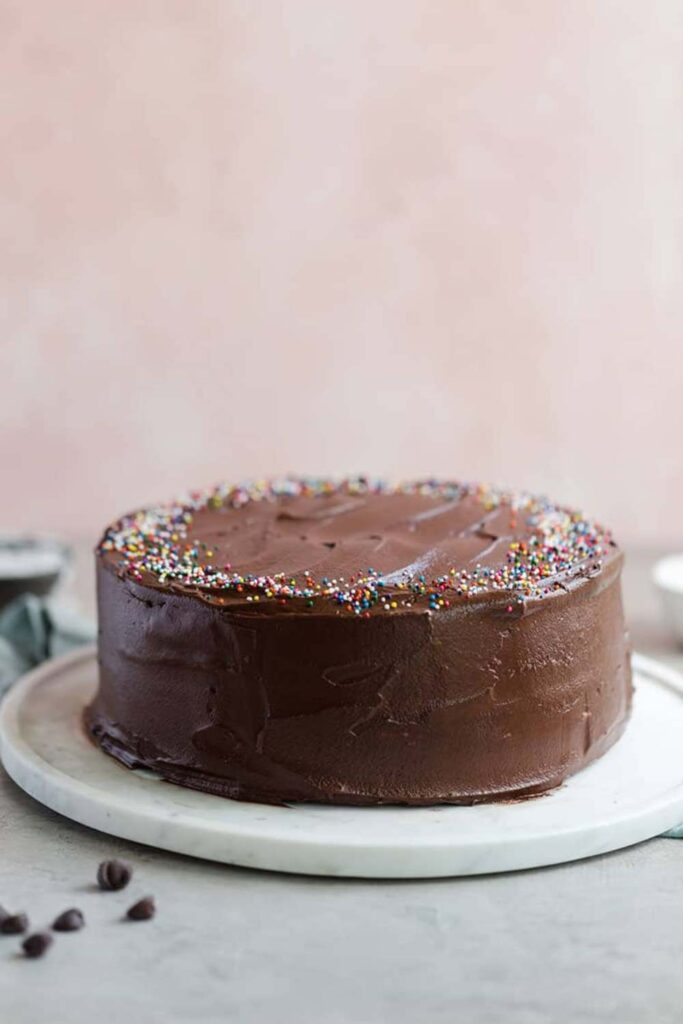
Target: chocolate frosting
[[360, 644]]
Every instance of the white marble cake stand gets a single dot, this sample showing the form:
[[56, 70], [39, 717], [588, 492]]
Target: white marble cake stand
[[633, 793]]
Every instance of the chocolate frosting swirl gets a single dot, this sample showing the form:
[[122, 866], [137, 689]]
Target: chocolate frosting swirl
[[359, 543]]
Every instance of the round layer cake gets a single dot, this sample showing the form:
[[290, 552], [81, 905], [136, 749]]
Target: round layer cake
[[354, 643]]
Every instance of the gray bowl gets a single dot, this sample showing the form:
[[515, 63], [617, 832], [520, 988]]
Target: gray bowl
[[30, 565]]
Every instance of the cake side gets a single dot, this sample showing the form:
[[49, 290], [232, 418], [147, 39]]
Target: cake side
[[450, 696]]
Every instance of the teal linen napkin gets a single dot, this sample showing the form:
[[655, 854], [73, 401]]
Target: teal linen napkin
[[33, 629]]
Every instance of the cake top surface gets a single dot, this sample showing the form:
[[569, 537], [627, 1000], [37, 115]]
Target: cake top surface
[[359, 544]]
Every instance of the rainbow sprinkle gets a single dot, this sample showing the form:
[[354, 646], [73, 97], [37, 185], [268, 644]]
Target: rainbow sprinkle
[[155, 542]]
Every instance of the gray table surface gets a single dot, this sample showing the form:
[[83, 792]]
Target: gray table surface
[[599, 940]]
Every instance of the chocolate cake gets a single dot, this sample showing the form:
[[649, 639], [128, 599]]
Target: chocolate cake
[[355, 643]]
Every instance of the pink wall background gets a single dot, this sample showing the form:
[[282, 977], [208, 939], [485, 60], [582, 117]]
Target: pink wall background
[[401, 236]]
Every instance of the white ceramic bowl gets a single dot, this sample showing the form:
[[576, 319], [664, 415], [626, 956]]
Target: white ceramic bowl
[[668, 577]]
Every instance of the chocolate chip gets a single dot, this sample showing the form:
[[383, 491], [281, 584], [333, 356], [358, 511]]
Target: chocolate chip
[[113, 875], [14, 924], [69, 921], [37, 944], [142, 910]]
